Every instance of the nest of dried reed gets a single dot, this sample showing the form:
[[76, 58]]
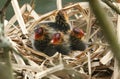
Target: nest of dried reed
[[96, 62]]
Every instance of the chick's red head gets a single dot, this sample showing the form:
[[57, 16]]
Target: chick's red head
[[56, 39], [77, 32], [39, 33]]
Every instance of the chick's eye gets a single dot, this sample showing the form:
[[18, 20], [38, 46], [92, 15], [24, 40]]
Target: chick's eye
[[76, 30], [39, 30], [57, 35]]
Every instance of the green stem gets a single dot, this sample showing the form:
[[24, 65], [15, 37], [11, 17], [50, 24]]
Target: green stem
[[107, 26], [111, 5], [8, 65]]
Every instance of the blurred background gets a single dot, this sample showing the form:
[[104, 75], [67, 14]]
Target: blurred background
[[41, 6]]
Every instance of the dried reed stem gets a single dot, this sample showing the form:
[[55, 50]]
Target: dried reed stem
[[19, 16]]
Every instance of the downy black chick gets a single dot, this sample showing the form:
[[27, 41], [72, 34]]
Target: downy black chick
[[42, 37], [61, 22], [58, 43], [75, 38]]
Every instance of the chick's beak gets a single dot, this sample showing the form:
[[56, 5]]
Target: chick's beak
[[81, 33], [56, 39], [37, 36], [52, 41]]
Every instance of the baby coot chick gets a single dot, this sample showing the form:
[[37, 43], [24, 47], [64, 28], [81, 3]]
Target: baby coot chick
[[75, 39], [61, 22], [58, 43], [42, 37], [61, 43]]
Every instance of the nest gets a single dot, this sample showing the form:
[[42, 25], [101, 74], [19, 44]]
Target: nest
[[96, 62]]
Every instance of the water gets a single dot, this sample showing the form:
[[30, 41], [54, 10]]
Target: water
[[41, 6]]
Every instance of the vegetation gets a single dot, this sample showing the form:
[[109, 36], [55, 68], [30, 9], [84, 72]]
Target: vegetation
[[100, 23]]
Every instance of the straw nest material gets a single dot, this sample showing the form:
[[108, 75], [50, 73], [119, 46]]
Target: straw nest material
[[95, 62]]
